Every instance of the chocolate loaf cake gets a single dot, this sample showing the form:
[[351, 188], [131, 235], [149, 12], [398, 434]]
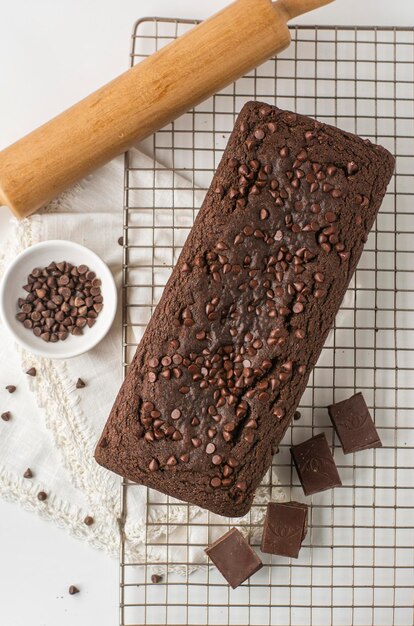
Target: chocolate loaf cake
[[227, 354]]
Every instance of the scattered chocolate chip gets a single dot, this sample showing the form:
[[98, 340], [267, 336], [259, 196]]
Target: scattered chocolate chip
[[42, 496], [73, 590], [80, 384], [28, 473], [31, 371], [11, 388], [155, 578], [297, 415], [6, 416], [88, 521]]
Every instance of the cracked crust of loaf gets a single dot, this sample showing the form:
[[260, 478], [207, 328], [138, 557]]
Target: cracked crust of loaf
[[122, 447]]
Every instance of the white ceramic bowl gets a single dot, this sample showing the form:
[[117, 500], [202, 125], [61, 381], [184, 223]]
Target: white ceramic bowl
[[40, 255]]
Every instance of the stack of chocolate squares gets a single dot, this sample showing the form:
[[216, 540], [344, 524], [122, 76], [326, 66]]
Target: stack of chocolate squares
[[286, 523]]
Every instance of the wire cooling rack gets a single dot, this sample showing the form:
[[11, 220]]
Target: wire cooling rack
[[356, 565]]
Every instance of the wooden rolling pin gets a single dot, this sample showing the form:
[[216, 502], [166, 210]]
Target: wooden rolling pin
[[213, 54]]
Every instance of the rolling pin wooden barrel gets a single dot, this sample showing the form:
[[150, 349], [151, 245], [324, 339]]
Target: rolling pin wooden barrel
[[144, 99]]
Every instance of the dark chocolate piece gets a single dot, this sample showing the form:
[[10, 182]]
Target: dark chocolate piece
[[285, 528], [31, 372], [88, 521], [80, 384], [354, 425], [234, 558], [28, 473], [6, 416], [11, 388], [315, 465], [42, 496], [228, 351], [73, 590]]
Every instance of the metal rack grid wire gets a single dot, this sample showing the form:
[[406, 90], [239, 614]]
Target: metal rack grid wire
[[356, 565]]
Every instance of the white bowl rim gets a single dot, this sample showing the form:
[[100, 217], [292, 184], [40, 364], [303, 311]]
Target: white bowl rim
[[74, 351]]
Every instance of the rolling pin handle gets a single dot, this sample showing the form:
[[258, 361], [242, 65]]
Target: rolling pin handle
[[292, 8], [147, 97]]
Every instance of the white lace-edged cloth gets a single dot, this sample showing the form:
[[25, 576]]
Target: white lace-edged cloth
[[54, 426]]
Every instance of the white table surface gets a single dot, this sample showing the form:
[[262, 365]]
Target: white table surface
[[52, 54]]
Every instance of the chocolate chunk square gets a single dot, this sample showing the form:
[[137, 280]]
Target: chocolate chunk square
[[315, 465], [354, 425], [234, 558], [285, 528]]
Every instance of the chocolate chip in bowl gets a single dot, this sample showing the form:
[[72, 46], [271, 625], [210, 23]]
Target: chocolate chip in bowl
[[62, 299], [58, 299]]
